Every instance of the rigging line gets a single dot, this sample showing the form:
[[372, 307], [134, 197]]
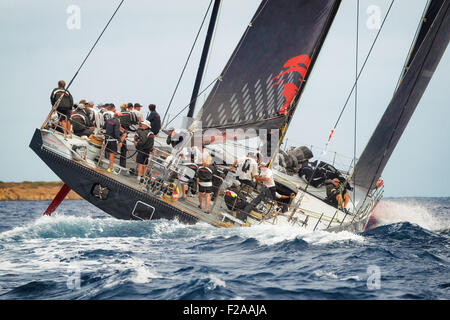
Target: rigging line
[[82, 64], [92, 48], [186, 63], [187, 106], [356, 93], [364, 64]]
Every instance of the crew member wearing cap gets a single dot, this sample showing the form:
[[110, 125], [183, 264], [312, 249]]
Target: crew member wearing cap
[[114, 138], [81, 123], [174, 137], [109, 113], [137, 115], [94, 115], [143, 141]]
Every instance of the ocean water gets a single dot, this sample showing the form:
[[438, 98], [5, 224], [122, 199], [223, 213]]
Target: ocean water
[[82, 253]]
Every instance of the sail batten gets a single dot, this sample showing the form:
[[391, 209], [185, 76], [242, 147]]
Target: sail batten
[[427, 51], [266, 73]]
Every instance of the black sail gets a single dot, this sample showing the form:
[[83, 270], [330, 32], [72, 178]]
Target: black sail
[[427, 52], [428, 18], [266, 73]]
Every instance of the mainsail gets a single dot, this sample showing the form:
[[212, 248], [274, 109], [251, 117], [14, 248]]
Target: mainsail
[[264, 78], [427, 51]]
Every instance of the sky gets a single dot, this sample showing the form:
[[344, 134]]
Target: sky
[[142, 53]]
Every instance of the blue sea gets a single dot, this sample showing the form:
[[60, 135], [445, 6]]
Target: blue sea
[[82, 253]]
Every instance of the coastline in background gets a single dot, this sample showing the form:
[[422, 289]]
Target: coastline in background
[[32, 191]]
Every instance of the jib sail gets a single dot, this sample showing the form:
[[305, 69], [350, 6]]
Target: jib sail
[[263, 79], [428, 49]]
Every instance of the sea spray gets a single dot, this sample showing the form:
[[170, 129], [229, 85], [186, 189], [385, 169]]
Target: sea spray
[[417, 211]]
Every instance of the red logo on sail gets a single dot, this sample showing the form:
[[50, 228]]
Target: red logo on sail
[[297, 64]]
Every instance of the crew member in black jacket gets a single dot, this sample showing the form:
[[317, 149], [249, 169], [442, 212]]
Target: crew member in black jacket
[[115, 138], [154, 118], [81, 122], [143, 141], [64, 106]]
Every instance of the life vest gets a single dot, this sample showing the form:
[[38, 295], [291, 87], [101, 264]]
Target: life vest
[[172, 194]]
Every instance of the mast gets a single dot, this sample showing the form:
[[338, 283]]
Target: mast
[[201, 68]]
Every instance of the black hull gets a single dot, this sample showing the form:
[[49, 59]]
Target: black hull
[[123, 201]]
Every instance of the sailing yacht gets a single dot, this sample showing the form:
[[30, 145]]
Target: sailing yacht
[[255, 96]]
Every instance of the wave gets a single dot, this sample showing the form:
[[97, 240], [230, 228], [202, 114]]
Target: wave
[[426, 213], [68, 227], [407, 233], [64, 227]]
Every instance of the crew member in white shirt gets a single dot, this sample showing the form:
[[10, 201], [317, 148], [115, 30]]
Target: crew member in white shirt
[[247, 170]]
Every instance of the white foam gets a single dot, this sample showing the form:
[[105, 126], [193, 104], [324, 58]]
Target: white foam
[[272, 234], [215, 282], [393, 211], [325, 237], [324, 274], [142, 273], [357, 278]]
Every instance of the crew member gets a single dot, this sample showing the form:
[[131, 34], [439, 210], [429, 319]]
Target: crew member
[[80, 121], [154, 118], [174, 137], [247, 170], [114, 138], [94, 115], [266, 178], [64, 106], [110, 109], [135, 122], [125, 119], [337, 194], [204, 181], [143, 141]]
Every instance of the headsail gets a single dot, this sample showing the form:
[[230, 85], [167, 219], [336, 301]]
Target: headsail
[[427, 51], [266, 73]]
